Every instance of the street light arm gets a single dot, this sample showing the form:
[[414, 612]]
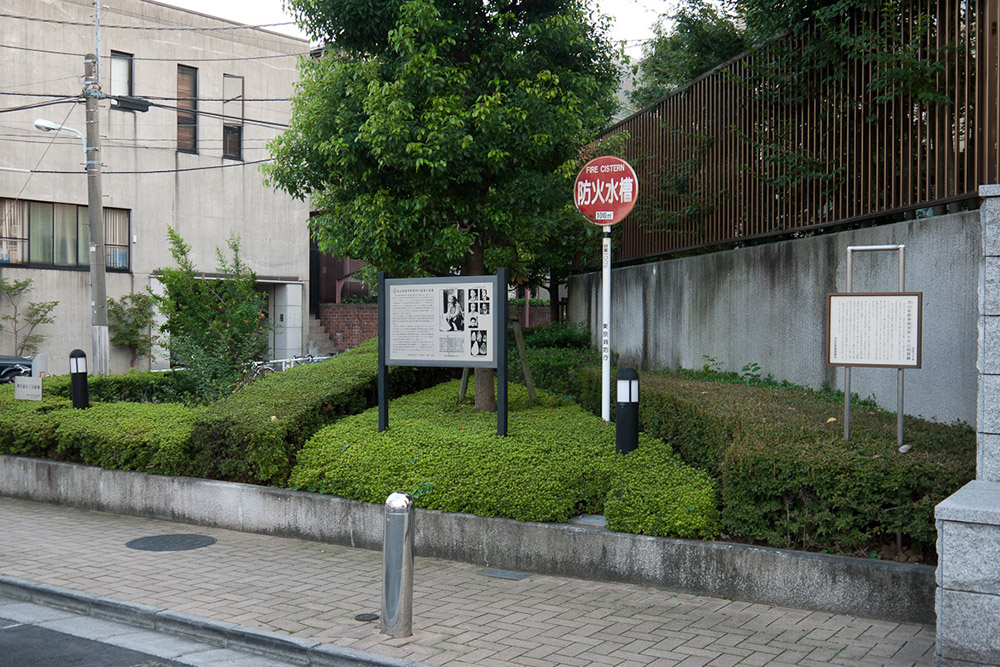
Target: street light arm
[[49, 126]]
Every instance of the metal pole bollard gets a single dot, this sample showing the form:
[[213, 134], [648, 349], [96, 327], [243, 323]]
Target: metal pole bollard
[[627, 411], [397, 567], [78, 379]]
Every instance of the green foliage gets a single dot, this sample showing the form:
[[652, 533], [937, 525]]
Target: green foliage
[[27, 427], [558, 334], [253, 435], [147, 387], [129, 436], [432, 136], [19, 321], [130, 324], [697, 37], [553, 369], [556, 462], [217, 327], [787, 477], [657, 494]]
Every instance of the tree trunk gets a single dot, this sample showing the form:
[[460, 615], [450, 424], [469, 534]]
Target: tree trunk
[[486, 399]]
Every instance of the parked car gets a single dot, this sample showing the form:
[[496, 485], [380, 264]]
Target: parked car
[[10, 367]]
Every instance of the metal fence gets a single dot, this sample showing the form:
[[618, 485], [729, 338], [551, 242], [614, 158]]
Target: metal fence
[[763, 145]]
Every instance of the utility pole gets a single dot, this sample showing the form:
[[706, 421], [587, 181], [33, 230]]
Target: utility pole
[[95, 215]]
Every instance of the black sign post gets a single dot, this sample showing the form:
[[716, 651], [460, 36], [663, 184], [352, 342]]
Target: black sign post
[[459, 321]]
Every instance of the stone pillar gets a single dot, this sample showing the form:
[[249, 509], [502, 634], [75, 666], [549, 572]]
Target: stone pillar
[[968, 522]]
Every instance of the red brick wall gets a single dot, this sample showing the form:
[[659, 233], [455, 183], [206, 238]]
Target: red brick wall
[[539, 315], [349, 324]]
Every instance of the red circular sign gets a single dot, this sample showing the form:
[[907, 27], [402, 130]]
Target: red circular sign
[[605, 190]]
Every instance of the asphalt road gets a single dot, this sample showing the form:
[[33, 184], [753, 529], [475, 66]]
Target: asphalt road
[[33, 635]]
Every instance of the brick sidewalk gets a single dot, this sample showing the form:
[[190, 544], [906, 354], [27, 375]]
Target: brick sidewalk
[[460, 617]]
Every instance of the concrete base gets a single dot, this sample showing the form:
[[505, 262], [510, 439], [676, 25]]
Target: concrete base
[[968, 579], [836, 584]]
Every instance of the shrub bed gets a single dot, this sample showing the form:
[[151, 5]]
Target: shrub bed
[[27, 428], [146, 387], [557, 461], [253, 435], [788, 478]]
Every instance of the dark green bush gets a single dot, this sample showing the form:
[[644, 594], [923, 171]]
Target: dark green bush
[[557, 461], [253, 435], [129, 436], [553, 369], [788, 478], [655, 493], [559, 334], [27, 428], [146, 387]]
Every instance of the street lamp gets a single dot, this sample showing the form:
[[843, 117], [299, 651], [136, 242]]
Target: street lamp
[[95, 215]]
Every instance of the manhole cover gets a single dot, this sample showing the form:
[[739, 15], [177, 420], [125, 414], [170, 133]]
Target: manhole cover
[[170, 542], [366, 617]]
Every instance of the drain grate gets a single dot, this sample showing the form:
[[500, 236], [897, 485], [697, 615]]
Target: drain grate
[[504, 574], [180, 542]]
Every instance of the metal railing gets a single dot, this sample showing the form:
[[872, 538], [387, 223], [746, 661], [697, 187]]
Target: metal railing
[[758, 147]]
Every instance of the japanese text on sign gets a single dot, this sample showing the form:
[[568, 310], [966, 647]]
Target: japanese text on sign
[[605, 190], [874, 330]]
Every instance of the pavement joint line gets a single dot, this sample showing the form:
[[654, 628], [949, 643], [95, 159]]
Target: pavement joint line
[[215, 633]]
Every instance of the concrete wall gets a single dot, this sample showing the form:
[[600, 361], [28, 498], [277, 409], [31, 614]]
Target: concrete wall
[[837, 584], [206, 206], [767, 305]]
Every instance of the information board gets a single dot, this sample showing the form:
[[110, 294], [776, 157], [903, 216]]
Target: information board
[[442, 321], [880, 329]]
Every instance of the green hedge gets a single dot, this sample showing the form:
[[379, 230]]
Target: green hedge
[[788, 478], [144, 437], [145, 387], [556, 462], [253, 435], [27, 428]]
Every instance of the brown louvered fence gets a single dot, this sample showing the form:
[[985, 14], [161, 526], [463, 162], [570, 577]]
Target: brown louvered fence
[[761, 147]]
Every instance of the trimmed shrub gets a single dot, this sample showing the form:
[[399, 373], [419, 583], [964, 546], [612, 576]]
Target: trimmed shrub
[[553, 369], [788, 478], [655, 493], [559, 334], [129, 436], [556, 462], [145, 387], [27, 428], [253, 435]]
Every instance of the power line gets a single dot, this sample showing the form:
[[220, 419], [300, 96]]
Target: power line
[[210, 114], [163, 171], [38, 105], [141, 27], [191, 60], [160, 97]]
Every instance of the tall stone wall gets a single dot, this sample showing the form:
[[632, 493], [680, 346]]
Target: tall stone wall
[[767, 305]]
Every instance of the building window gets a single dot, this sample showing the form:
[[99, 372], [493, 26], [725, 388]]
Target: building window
[[187, 109], [50, 234], [232, 112], [121, 74]]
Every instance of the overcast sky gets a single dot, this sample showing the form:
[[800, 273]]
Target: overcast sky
[[633, 18]]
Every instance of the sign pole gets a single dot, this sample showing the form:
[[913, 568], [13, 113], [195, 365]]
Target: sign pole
[[383, 369], [606, 327]]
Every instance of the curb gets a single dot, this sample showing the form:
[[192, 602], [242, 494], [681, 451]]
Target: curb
[[217, 633]]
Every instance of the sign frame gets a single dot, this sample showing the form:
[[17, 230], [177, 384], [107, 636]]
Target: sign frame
[[496, 342], [915, 329]]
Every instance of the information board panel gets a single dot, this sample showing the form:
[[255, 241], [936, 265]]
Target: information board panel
[[442, 321], [878, 329], [28, 388]]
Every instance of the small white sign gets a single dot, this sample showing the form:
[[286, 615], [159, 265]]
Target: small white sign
[[27, 388], [877, 329]]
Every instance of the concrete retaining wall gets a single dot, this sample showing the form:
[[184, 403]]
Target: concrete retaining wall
[[767, 305], [871, 589]]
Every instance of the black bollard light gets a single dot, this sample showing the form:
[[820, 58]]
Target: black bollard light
[[78, 379], [627, 411]]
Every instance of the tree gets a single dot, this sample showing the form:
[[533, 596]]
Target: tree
[[433, 135], [130, 322], [20, 322], [694, 40], [217, 326]]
